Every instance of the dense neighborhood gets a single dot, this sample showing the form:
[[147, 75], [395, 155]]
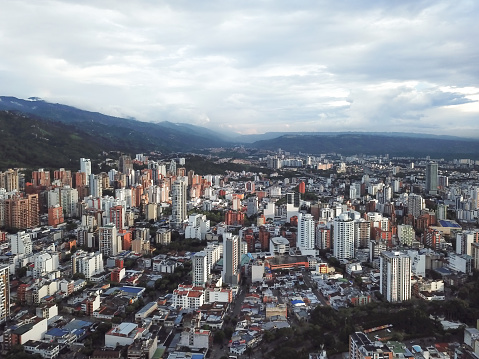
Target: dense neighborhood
[[151, 257]]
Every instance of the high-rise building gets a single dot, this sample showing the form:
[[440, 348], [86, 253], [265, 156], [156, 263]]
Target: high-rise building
[[395, 279], [323, 236], [69, 201], [125, 164], [63, 176], [431, 178], [22, 212], [41, 178], [85, 166], [343, 237], [200, 269], [415, 204], [362, 233], [4, 293], [464, 241], [96, 189], [231, 259], [109, 240], [305, 235], [10, 180], [117, 216], [178, 203]]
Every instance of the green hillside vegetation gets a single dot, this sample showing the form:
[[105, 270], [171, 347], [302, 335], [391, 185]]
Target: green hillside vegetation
[[136, 136], [30, 142]]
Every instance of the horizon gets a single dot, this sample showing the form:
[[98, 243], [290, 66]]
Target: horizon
[[254, 67]]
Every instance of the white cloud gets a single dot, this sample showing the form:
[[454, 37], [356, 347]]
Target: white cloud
[[253, 66]]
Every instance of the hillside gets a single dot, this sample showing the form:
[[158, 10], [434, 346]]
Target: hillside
[[33, 142], [133, 135]]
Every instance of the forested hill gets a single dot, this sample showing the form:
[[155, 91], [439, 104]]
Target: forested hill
[[33, 142]]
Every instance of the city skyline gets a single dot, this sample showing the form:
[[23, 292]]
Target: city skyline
[[254, 67]]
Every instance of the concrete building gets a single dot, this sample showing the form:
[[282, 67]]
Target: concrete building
[[21, 243], [395, 280], [415, 204], [200, 269], [305, 236], [406, 234], [178, 203], [343, 237], [464, 241], [109, 240], [431, 178], [279, 246], [231, 259], [87, 263], [122, 334], [4, 293]]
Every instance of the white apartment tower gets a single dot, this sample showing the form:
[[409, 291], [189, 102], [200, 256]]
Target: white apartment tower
[[96, 189], [200, 269], [305, 237], [343, 237], [178, 203], [395, 280], [108, 240], [85, 166]]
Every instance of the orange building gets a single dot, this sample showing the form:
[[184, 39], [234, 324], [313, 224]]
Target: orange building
[[55, 216], [234, 218], [80, 179], [65, 177], [41, 178], [302, 187], [22, 212], [126, 238]]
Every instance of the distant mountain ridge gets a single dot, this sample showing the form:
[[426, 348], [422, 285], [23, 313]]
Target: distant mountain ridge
[[103, 132], [374, 144], [136, 135]]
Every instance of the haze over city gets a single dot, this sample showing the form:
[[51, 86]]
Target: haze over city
[[251, 66]]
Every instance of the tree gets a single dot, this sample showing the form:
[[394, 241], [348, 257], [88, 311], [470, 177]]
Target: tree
[[219, 337]]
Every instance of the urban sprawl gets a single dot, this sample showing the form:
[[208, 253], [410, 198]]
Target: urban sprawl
[[353, 257]]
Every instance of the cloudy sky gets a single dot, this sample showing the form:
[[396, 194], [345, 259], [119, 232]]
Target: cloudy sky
[[251, 66]]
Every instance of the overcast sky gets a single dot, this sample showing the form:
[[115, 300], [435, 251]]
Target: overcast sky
[[251, 66]]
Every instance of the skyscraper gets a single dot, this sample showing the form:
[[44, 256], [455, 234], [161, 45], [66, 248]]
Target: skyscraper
[[108, 240], [395, 280], [85, 166], [125, 164], [178, 203], [343, 237], [305, 237], [415, 204], [431, 178], [200, 269], [4, 293], [231, 259]]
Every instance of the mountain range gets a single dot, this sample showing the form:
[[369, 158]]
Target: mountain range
[[33, 129]]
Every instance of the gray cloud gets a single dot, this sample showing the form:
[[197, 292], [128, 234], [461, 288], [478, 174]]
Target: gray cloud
[[253, 66]]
